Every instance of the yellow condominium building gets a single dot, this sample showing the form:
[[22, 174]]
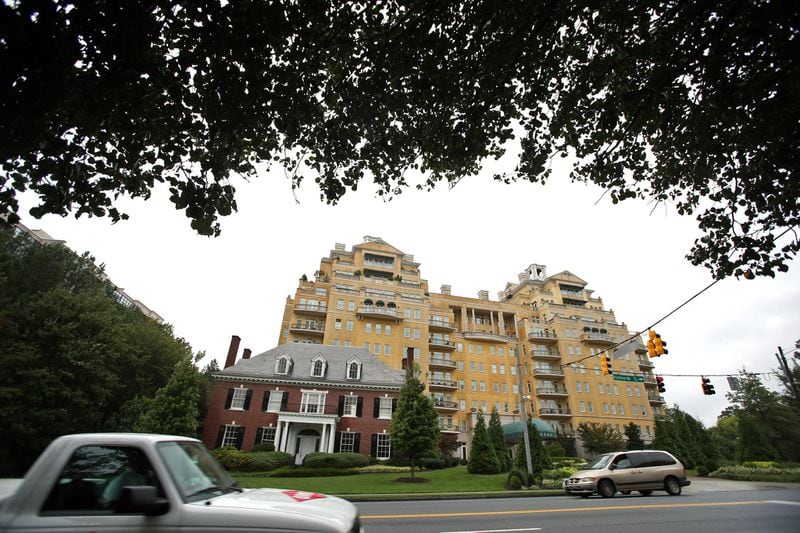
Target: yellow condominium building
[[373, 296]]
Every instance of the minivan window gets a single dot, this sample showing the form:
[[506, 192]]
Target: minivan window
[[598, 462]]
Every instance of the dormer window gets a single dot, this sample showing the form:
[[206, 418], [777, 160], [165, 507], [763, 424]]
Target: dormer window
[[318, 367], [283, 365], [354, 369]]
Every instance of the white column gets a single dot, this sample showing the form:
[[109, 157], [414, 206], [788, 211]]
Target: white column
[[278, 436], [284, 436], [332, 437]]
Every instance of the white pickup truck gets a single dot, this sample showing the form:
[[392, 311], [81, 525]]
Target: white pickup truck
[[132, 482]]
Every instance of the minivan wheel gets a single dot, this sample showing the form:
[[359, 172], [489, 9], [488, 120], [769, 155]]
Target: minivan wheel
[[672, 486], [606, 488], [645, 492]]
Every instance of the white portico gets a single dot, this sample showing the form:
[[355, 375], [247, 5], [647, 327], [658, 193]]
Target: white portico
[[304, 433]]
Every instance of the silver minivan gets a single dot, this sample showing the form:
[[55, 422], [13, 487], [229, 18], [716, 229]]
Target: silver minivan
[[645, 471]]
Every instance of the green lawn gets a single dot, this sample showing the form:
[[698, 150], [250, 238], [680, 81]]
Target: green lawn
[[448, 480]]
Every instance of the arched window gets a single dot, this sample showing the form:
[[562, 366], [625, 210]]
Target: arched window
[[354, 369], [283, 365], [318, 367]]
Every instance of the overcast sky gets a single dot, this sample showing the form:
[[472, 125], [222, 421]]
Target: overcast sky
[[476, 236]]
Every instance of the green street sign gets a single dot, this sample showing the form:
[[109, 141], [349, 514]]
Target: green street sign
[[638, 379]]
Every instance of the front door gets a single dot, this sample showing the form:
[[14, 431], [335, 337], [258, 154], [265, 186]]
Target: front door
[[306, 444]]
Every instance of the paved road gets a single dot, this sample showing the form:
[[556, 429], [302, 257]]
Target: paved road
[[707, 506]]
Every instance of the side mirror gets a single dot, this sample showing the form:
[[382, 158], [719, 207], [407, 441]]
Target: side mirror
[[141, 500], [612, 467]]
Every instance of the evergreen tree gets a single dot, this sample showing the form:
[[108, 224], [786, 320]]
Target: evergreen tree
[[173, 410], [414, 431], [540, 457], [499, 441], [634, 435], [482, 457]]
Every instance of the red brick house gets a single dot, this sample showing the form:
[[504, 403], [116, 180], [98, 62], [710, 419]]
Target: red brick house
[[304, 398]]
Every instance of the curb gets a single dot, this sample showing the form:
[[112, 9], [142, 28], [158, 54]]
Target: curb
[[450, 495]]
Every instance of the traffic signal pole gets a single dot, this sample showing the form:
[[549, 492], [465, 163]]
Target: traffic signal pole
[[788, 371]]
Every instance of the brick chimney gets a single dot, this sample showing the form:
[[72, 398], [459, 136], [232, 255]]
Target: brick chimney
[[246, 354], [232, 351]]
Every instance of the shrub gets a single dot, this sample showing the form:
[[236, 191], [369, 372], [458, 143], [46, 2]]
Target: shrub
[[384, 469], [552, 483], [312, 472], [702, 471], [335, 460], [514, 480], [263, 447], [232, 458], [432, 464], [761, 464], [744, 473], [559, 473], [555, 449], [266, 461]]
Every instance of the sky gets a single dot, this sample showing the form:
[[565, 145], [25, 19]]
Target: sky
[[478, 235]]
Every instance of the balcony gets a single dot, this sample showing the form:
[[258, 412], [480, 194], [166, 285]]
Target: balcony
[[488, 336], [649, 380], [441, 342], [544, 354], [645, 364], [442, 363], [549, 372], [444, 405], [655, 398], [440, 325], [443, 384], [374, 311], [309, 328], [542, 336], [310, 309], [552, 391], [597, 338], [449, 429], [554, 412]]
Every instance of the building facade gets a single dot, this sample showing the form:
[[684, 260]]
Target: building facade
[[373, 297], [304, 398]]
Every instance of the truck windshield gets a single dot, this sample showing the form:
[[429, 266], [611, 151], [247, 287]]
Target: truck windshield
[[196, 473]]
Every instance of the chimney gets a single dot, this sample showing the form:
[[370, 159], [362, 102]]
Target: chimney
[[445, 289], [483, 295], [246, 354], [232, 350], [339, 247]]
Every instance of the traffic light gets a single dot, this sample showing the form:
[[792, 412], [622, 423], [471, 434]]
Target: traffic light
[[708, 388], [660, 383], [605, 365], [656, 346]]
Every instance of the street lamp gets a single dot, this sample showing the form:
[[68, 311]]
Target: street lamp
[[523, 410]]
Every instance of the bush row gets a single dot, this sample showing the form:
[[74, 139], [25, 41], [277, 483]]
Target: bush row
[[747, 473], [313, 472]]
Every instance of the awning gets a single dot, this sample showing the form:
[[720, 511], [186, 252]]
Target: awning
[[514, 429]]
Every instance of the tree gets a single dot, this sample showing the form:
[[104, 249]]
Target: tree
[[540, 457], [73, 358], [687, 103], [499, 441], [173, 410], [414, 431], [599, 438], [634, 436], [482, 457]]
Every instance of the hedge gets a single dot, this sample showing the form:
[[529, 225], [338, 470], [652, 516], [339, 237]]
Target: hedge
[[745, 473], [312, 472], [335, 460]]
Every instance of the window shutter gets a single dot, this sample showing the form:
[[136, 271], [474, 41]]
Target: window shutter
[[265, 402], [357, 442], [394, 405], [376, 408], [220, 435], [229, 399], [337, 440], [239, 437], [259, 436], [360, 407], [341, 405], [247, 399], [373, 448], [284, 401]]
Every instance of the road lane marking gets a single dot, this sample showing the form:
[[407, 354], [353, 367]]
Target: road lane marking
[[783, 502], [497, 530], [565, 510]]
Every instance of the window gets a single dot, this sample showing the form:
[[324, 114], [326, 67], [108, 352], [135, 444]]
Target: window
[[578, 386], [383, 449], [582, 407], [461, 384], [474, 385], [634, 410], [351, 306], [366, 346], [368, 327], [503, 370], [340, 305], [471, 348], [480, 349], [591, 407], [494, 369], [643, 410], [483, 386], [416, 333], [500, 351], [387, 349], [318, 367], [481, 368], [385, 408], [613, 409], [596, 370], [638, 392], [350, 406], [354, 369], [616, 390], [505, 387], [348, 343], [347, 442], [605, 408], [337, 324], [417, 314], [265, 434], [586, 387], [513, 371], [275, 401], [376, 348], [496, 387], [377, 329], [630, 391], [600, 388], [349, 325], [283, 365], [460, 347], [239, 398], [313, 402], [407, 332]]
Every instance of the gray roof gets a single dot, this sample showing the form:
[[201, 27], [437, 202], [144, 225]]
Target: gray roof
[[374, 372]]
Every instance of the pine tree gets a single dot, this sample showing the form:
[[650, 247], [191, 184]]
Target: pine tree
[[540, 457], [174, 409], [482, 457], [499, 441], [414, 431], [634, 435]]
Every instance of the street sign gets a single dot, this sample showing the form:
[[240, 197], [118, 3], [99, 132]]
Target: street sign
[[733, 383], [638, 379]]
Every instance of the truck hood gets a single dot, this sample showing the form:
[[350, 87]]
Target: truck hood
[[298, 509]]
